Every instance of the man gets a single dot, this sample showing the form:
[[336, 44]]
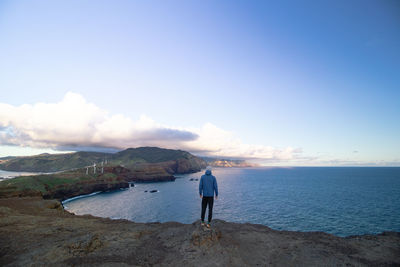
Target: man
[[207, 187]]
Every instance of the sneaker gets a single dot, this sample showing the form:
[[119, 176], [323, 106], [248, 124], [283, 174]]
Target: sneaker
[[203, 223], [208, 225]]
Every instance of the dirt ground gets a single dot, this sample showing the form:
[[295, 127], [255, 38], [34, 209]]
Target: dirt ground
[[36, 232]]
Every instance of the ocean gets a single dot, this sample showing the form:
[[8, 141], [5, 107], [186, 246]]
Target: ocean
[[342, 201]]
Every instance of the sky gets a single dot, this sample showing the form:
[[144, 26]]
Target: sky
[[282, 83]]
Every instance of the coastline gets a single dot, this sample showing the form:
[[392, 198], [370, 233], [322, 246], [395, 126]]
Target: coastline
[[75, 183], [38, 231], [78, 197]]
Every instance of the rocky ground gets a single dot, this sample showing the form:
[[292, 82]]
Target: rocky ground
[[36, 232]]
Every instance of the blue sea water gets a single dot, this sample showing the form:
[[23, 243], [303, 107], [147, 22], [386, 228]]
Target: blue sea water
[[338, 200]]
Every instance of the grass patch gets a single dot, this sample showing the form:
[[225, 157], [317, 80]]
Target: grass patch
[[46, 182]]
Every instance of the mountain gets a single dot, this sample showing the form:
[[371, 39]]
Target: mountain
[[139, 159], [215, 162], [151, 154], [173, 161]]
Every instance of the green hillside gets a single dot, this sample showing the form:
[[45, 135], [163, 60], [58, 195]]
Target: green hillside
[[62, 185], [176, 161], [52, 162], [150, 155], [46, 182]]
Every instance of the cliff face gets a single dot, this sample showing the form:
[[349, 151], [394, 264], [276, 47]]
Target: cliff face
[[64, 192], [182, 165], [193, 164], [172, 161], [39, 232], [147, 173]]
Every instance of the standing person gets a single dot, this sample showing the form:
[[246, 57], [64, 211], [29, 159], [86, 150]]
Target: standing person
[[207, 186]]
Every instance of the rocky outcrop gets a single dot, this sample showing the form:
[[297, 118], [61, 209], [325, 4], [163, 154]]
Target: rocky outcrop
[[189, 165], [179, 166], [68, 191], [146, 172], [39, 232]]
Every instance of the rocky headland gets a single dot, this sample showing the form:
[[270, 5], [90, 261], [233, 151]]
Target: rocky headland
[[37, 232], [112, 171], [228, 163]]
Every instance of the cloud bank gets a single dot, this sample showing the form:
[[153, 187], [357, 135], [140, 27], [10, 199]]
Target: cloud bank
[[75, 123]]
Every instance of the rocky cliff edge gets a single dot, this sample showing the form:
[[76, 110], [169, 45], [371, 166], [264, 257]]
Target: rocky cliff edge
[[34, 231]]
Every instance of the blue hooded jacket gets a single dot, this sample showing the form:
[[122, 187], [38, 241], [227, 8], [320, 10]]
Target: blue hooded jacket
[[208, 184]]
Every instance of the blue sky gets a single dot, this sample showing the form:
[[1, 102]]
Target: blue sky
[[285, 82]]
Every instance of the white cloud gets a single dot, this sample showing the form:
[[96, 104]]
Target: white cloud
[[74, 122], [218, 142]]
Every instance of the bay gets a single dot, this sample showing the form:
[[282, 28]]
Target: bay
[[338, 200]]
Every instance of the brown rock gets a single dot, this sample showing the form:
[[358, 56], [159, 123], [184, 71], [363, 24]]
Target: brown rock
[[34, 231], [203, 236]]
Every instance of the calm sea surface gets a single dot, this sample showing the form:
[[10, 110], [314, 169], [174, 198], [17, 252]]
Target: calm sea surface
[[341, 201]]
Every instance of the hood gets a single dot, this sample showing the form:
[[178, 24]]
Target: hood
[[208, 172]]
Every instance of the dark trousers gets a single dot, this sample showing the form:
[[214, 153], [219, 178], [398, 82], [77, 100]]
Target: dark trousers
[[204, 202]]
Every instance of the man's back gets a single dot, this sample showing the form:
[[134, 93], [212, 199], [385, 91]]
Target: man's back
[[208, 184]]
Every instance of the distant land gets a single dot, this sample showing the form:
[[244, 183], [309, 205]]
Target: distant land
[[129, 158], [74, 174], [174, 161], [227, 163]]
